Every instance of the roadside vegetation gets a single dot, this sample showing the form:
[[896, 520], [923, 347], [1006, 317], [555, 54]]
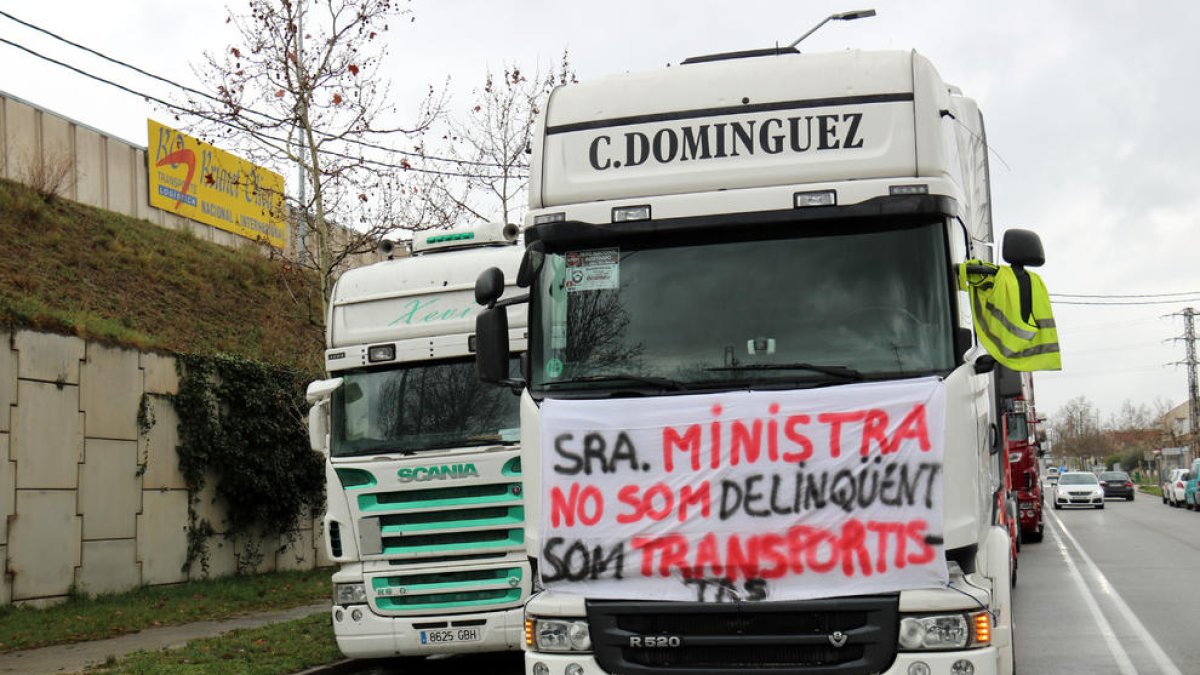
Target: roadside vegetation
[[94, 618], [286, 647], [77, 270]]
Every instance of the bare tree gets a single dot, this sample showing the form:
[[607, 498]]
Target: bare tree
[[302, 86], [1077, 430], [490, 142]]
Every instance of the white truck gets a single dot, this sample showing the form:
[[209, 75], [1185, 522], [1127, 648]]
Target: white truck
[[425, 506], [758, 425]]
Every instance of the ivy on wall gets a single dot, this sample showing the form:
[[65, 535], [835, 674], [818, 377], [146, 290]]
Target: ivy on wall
[[243, 423]]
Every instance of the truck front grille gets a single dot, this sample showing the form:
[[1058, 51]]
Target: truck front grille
[[465, 590], [425, 523], [785, 638]]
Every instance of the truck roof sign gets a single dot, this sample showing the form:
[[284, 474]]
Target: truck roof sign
[[715, 126]]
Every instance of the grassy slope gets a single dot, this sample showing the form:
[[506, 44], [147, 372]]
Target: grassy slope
[[77, 270]]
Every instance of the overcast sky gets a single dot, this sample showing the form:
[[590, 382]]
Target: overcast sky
[[1089, 108]]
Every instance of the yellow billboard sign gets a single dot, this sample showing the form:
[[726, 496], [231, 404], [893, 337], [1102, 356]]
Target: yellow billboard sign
[[196, 180]]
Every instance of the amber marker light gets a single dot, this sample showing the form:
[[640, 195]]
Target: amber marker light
[[983, 628], [529, 632]]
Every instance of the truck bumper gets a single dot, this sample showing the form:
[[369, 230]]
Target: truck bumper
[[372, 636], [985, 662]]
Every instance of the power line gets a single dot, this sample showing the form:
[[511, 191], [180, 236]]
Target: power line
[[178, 108], [1117, 304], [217, 100], [1146, 295]]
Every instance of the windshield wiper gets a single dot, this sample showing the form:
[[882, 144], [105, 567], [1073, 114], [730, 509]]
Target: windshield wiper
[[840, 372], [658, 382]]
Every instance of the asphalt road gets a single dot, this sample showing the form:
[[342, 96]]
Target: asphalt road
[[1115, 590], [1111, 591]]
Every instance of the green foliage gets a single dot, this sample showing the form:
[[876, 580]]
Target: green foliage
[[76, 270], [286, 647], [244, 422], [84, 617]]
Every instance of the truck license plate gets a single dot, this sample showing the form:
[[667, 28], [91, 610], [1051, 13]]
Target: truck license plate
[[450, 635]]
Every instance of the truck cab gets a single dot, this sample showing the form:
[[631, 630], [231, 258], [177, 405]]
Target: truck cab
[[745, 298], [425, 502]]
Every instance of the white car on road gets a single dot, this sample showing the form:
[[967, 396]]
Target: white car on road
[[1078, 488], [1175, 487]]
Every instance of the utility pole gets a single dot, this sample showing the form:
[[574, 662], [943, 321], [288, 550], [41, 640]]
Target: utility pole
[[1189, 339]]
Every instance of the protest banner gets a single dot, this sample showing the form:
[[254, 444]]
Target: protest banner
[[768, 495]]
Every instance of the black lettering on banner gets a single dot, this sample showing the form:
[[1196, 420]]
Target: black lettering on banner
[[720, 589], [576, 461], [594, 456], [850, 490], [576, 562]]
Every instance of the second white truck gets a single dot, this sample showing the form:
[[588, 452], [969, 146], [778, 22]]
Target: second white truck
[[426, 507]]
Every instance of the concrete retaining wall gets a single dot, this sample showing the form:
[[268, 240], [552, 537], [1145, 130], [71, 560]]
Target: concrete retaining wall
[[87, 499]]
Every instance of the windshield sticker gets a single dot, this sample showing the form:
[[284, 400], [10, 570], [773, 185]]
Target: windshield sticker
[[554, 368], [595, 270], [512, 435]]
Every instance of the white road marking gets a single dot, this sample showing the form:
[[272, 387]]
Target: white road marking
[[1165, 664], [1106, 630]]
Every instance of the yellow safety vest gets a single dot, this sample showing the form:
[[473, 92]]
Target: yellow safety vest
[[1020, 342]]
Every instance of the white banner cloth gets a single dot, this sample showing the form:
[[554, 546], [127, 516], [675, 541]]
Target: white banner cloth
[[766, 495]]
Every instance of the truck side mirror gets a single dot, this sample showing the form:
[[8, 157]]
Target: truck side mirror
[[491, 345], [1023, 248], [318, 427], [489, 286]]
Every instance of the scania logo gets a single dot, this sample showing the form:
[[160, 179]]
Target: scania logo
[[655, 641], [421, 474], [838, 638]]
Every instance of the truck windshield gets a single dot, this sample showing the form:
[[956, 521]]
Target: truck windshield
[[785, 308], [421, 406]]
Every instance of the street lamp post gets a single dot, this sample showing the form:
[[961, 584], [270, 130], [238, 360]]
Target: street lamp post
[[844, 16]]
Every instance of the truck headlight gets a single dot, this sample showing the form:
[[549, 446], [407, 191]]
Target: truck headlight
[[562, 635], [945, 631], [349, 594]]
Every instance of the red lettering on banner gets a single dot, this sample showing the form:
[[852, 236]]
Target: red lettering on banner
[[748, 439], [564, 509], [773, 555], [835, 422], [689, 442], [715, 440], [773, 433], [852, 547], [657, 502], [916, 532], [702, 495], [874, 429], [883, 532], [912, 426], [708, 558], [806, 446]]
